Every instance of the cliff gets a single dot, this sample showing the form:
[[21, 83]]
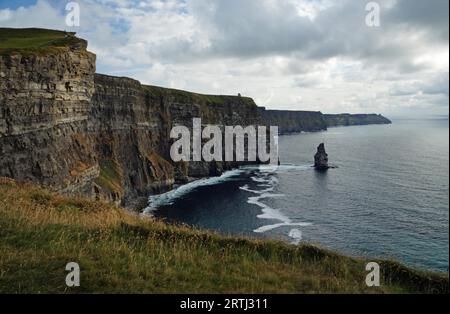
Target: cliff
[[45, 102], [130, 125], [312, 121], [294, 121], [66, 128], [76, 132], [346, 119]]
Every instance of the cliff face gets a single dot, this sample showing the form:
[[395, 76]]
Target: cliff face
[[346, 119], [130, 125], [126, 129], [310, 121], [65, 127], [294, 121], [71, 130], [44, 108]]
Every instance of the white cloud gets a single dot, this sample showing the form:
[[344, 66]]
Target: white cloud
[[287, 54]]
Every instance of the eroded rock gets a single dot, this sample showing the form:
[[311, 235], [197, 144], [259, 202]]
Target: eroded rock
[[321, 158]]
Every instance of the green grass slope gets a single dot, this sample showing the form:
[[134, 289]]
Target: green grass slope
[[41, 232], [35, 40]]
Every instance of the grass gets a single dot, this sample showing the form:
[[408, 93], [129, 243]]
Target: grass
[[110, 177], [34, 40], [201, 98], [41, 232]]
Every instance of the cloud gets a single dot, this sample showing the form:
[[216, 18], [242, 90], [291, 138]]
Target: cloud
[[437, 85], [288, 54], [27, 17], [418, 15]]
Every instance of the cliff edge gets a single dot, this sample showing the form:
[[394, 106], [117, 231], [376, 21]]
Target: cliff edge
[[67, 128]]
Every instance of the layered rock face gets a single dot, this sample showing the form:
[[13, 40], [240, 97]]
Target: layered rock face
[[294, 121], [346, 119], [73, 131], [125, 125], [311, 121], [130, 125], [45, 103]]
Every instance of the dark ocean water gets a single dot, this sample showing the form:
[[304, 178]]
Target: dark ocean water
[[389, 198]]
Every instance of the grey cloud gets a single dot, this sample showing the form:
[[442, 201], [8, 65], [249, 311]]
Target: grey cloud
[[251, 28], [306, 81], [417, 14], [436, 85]]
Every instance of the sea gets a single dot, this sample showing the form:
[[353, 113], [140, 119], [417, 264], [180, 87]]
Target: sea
[[388, 197]]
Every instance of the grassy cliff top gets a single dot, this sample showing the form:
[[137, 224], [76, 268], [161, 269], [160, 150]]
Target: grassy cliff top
[[41, 232], [37, 40], [202, 98]]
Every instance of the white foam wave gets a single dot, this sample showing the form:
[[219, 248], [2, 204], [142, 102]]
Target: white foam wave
[[267, 169], [267, 211], [268, 181], [156, 201], [282, 224], [247, 189]]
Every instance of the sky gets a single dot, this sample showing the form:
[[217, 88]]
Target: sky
[[316, 55]]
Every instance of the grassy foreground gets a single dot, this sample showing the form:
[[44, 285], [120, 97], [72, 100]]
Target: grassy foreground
[[41, 232]]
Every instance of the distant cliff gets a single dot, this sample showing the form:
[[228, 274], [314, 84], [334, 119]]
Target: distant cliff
[[312, 121], [354, 119], [77, 132], [294, 121]]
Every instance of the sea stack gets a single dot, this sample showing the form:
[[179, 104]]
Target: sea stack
[[321, 158]]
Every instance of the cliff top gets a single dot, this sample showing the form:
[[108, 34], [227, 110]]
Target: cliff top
[[37, 40], [203, 98]]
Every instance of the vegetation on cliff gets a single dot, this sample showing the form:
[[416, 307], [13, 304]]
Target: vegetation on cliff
[[294, 121], [36, 40], [346, 119], [41, 232], [199, 98]]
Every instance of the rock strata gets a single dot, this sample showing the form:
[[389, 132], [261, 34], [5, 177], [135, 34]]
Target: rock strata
[[66, 128], [71, 130]]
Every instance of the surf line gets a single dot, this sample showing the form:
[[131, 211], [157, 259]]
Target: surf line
[[168, 198], [268, 182]]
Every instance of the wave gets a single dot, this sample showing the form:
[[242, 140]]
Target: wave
[[276, 168], [266, 179], [270, 188], [267, 211], [266, 182], [282, 224], [156, 201]]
